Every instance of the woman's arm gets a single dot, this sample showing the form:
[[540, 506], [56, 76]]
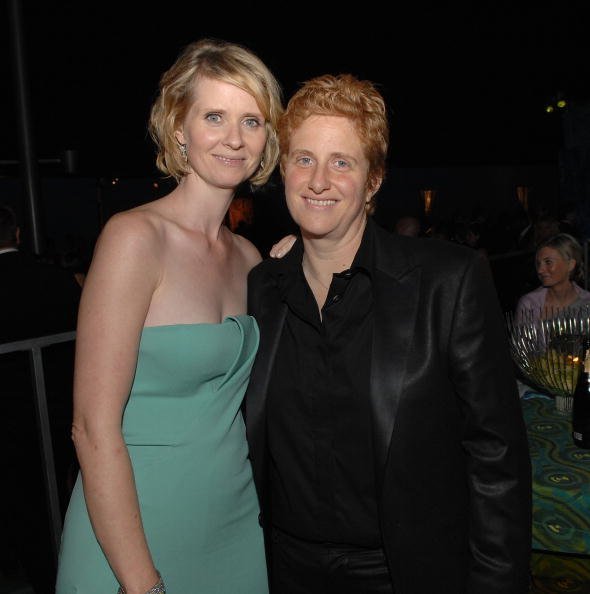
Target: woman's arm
[[116, 297], [494, 438]]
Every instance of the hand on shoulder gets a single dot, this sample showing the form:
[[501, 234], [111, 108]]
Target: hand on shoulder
[[283, 246]]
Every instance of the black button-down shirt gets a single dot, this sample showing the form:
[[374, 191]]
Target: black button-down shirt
[[318, 415]]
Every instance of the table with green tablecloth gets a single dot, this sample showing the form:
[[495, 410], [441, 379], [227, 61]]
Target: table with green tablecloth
[[561, 479]]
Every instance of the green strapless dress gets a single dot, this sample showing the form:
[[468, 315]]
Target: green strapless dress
[[186, 438]]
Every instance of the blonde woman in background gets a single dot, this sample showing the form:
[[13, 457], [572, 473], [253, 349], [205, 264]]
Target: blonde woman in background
[[559, 264]]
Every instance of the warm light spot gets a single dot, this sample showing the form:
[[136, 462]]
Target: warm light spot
[[241, 212]]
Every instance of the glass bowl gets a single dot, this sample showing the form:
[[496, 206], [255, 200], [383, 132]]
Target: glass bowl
[[548, 353]]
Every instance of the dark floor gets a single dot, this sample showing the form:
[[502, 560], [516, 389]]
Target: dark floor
[[552, 574], [560, 574], [559, 586], [15, 586]]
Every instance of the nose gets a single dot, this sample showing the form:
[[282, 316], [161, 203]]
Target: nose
[[319, 181], [234, 136]]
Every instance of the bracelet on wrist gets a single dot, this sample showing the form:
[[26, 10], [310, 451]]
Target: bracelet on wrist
[[159, 588]]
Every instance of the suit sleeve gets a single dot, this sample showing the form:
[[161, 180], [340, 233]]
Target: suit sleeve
[[494, 439]]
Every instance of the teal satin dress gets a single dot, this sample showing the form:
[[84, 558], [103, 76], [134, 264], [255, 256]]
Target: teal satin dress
[[186, 438]]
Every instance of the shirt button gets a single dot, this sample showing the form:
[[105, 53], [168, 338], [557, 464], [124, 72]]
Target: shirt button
[[335, 298]]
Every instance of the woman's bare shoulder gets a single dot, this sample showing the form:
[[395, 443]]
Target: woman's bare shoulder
[[247, 250], [133, 227]]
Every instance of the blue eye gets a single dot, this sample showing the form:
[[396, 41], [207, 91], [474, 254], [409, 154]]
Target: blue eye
[[213, 117], [341, 163], [252, 123], [305, 161]]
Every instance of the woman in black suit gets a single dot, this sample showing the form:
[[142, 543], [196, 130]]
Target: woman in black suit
[[386, 435]]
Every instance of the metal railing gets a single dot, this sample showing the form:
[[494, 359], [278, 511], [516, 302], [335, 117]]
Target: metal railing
[[585, 263], [35, 346]]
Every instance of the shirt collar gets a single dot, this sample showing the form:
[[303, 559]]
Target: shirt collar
[[290, 266], [363, 259]]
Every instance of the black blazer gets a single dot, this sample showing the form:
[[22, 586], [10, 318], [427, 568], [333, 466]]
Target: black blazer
[[451, 452]]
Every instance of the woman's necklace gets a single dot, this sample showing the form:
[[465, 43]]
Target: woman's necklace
[[309, 275]]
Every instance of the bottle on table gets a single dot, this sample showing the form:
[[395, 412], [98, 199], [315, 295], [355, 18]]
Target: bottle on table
[[581, 406]]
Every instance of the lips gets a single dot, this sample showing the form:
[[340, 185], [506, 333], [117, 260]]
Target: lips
[[230, 161], [316, 202]]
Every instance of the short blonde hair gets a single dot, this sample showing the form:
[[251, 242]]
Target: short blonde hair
[[218, 60], [568, 248], [347, 96]]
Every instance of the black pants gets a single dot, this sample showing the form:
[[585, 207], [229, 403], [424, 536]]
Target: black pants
[[301, 567]]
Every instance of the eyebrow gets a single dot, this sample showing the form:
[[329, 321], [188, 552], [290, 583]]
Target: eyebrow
[[336, 155], [344, 156], [247, 114]]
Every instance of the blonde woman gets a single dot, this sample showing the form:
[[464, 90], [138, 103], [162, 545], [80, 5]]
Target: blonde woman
[[559, 264], [165, 497]]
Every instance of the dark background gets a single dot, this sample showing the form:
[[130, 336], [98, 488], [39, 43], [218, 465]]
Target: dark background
[[464, 85], [467, 86]]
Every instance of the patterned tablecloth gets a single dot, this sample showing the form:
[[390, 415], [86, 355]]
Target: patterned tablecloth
[[561, 479]]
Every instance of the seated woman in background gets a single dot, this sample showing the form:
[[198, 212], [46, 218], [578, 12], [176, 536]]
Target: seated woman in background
[[558, 261]]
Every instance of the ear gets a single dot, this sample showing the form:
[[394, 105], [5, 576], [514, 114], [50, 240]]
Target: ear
[[373, 186], [179, 135], [571, 264]]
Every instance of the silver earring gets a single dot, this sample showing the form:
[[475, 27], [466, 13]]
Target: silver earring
[[261, 163], [183, 151]]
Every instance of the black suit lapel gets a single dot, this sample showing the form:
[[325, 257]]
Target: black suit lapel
[[396, 296], [271, 325], [271, 322]]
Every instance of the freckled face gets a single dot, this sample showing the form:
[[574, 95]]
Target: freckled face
[[325, 175], [224, 133], [552, 268]]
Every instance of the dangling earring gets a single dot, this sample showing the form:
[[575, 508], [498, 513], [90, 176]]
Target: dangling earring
[[183, 151], [261, 163]]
